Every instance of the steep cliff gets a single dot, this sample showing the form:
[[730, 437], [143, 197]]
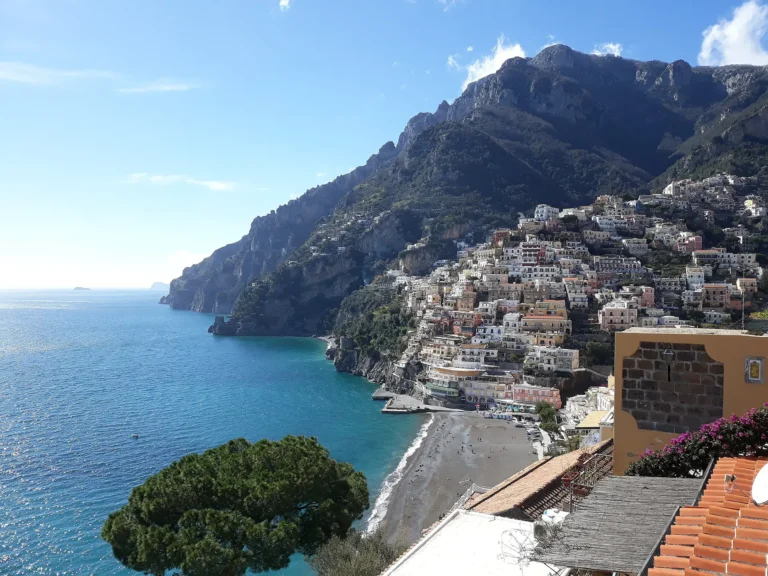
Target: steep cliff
[[214, 284], [559, 128]]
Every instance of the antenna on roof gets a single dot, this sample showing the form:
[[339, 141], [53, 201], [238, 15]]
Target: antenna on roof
[[760, 487]]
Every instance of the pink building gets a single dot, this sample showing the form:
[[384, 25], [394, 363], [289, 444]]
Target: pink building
[[689, 245], [528, 394], [647, 297]]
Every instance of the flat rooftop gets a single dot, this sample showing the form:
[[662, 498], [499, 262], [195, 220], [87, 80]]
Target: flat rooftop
[[467, 543], [685, 330]]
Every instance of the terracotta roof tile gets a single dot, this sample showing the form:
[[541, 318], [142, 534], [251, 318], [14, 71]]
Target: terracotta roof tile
[[671, 562], [748, 557], [752, 545], [663, 572], [753, 523], [725, 533], [672, 550], [719, 554], [740, 569]]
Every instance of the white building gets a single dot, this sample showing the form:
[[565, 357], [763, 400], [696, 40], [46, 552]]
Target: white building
[[712, 316], [543, 272], [617, 315], [551, 359], [544, 212], [636, 246], [478, 354], [512, 321], [487, 334], [580, 213], [694, 277]]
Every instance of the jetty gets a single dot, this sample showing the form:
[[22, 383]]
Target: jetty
[[382, 394], [403, 404]]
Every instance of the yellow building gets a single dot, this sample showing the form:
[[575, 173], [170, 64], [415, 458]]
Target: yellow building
[[673, 380], [539, 323], [549, 308], [547, 339]]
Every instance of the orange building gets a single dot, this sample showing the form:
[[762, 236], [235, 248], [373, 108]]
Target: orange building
[[674, 380]]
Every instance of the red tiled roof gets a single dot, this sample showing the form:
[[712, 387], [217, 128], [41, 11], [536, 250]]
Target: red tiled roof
[[725, 533]]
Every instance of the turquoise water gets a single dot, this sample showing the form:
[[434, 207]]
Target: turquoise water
[[82, 371]]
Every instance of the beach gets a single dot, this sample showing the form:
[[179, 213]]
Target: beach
[[456, 450]]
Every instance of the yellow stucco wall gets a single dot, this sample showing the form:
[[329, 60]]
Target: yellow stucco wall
[[724, 346]]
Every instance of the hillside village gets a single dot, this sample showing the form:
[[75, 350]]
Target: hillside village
[[545, 299]]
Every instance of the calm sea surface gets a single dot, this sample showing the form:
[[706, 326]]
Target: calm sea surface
[[82, 371]]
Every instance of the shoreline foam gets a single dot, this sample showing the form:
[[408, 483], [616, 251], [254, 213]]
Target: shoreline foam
[[379, 511]]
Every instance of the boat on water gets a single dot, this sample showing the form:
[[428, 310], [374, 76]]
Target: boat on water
[[135, 436]]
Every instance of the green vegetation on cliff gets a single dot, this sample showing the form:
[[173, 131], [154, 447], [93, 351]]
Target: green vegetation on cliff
[[373, 317]]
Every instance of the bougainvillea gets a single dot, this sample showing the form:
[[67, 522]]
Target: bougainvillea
[[690, 453]]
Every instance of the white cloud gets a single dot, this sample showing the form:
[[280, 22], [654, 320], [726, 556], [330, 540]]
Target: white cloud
[[453, 62], [285, 5], [41, 76], [491, 63], [320, 175], [738, 40], [613, 48], [448, 4], [166, 179], [469, 48], [159, 86]]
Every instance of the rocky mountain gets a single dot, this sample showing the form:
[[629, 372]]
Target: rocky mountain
[[160, 286], [562, 127]]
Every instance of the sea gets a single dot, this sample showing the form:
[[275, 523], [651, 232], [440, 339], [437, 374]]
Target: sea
[[83, 371]]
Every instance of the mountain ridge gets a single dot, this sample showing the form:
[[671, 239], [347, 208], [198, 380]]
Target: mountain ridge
[[552, 128]]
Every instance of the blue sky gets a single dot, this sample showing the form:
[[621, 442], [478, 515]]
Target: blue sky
[[137, 137]]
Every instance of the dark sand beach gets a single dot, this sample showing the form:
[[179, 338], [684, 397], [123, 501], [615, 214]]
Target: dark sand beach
[[460, 449]]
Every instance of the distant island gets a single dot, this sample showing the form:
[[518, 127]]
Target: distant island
[[81, 288], [160, 286]]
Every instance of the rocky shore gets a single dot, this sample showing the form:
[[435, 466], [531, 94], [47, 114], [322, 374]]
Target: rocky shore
[[347, 357]]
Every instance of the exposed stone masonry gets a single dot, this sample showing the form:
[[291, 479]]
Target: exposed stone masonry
[[672, 397]]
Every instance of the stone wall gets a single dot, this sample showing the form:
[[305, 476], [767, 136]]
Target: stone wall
[[672, 397]]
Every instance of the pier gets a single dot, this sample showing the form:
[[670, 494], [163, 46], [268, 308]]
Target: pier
[[403, 404]]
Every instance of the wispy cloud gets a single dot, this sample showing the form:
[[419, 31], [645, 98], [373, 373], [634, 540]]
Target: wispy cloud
[[163, 85], [166, 179], [550, 41], [285, 5], [738, 40], [469, 48], [453, 62], [448, 4], [41, 76], [33, 75], [612, 48], [490, 63], [320, 175]]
